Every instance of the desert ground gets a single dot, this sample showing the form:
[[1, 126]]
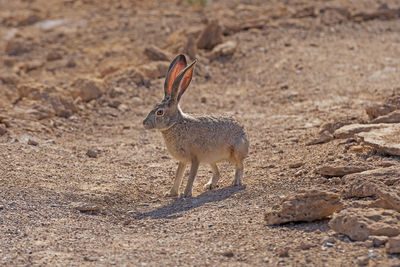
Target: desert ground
[[82, 182]]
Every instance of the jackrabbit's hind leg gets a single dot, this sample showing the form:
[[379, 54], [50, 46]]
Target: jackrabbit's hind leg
[[238, 156], [238, 174], [212, 183]]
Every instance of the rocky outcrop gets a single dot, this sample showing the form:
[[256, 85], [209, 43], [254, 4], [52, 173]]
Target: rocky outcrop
[[339, 170], [386, 140], [87, 89], [393, 245], [351, 129], [392, 117], [382, 183], [359, 224], [210, 36], [306, 206]]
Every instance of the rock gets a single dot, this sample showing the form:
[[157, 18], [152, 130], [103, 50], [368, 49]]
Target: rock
[[378, 241], [126, 78], [356, 149], [33, 142], [386, 140], [305, 206], [9, 79], [210, 36], [330, 127], [123, 108], [116, 92], [91, 153], [383, 183], [16, 47], [388, 198], [2, 130], [351, 129], [283, 252], [107, 69], [247, 25], [228, 254], [190, 47], [388, 176], [376, 111], [305, 12], [86, 208], [89, 258], [323, 138], [23, 17], [304, 245], [357, 189], [296, 165], [26, 89], [29, 66], [368, 243], [50, 24], [54, 55], [87, 89], [383, 13], [393, 245], [156, 54], [334, 15], [363, 260], [339, 170], [359, 223], [392, 117], [222, 50], [114, 104], [50, 98], [178, 40], [71, 63], [155, 70]]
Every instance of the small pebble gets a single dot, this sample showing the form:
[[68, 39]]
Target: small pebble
[[295, 165], [32, 142], [228, 254], [330, 245], [2, 130], [91, 153], [284, 252], [362, 260]]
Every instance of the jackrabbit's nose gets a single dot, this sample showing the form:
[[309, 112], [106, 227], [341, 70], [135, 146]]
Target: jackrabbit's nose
[[146, 123]]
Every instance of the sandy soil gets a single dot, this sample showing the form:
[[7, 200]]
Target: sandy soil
[[306, 63]]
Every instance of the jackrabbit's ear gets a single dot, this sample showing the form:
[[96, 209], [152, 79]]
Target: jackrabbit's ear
[[177, 65], [182, 81], [186, 79]]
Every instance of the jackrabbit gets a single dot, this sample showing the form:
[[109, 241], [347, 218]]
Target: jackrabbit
[[195, 139]]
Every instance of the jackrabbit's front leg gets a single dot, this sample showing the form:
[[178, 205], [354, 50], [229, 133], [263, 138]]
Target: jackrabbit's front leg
[[178, 180], [192, 175]]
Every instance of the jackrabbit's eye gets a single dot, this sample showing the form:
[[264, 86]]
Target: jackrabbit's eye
[[159, 112]]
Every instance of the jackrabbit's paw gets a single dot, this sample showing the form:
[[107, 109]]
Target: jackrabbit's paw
[[170, 194], [186, 195], [237, 183], [209, 186]]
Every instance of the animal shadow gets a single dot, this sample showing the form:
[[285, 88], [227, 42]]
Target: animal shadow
[[172, 210]]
